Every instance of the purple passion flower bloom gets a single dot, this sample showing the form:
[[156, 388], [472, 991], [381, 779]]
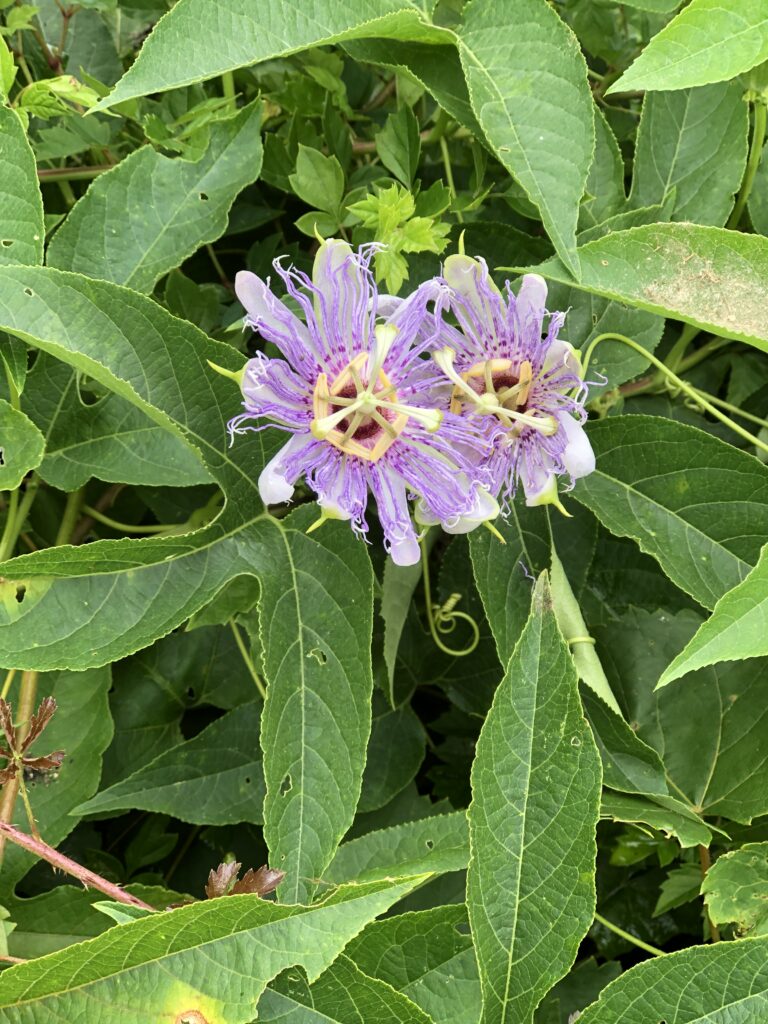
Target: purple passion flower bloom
[[353, 393], [525, 389]]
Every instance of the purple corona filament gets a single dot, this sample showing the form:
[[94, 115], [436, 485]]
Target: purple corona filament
[[353, 391]]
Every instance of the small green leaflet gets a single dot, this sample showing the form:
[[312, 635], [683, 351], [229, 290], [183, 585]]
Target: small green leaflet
[[21, 446], [702, 985], [528, 86], [190, 960], [535, 795], [712, 278], [737, 628], [709, 41]]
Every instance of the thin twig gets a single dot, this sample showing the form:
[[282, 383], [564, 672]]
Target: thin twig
[[26, 707], [107, 500], [58, 860]]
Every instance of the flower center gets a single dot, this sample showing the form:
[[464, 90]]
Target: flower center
[[360, 412], [495, 388]]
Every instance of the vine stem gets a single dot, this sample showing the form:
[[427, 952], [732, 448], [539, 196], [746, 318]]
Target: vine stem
[[94, 513], [58, 860], [753, 162], [71, 513], [684, 386], [248, 659], [628, 936], [26, 707], [705, 860]]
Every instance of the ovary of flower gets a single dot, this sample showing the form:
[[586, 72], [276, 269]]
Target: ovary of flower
[[365, 404], [489, 403]]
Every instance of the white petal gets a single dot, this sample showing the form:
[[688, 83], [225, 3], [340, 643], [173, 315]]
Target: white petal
[[339, 279], [578, 457], [263, 307], [274, 486], [405, 551], [539, 482], [532, 300], [563, 355], [329, 501], [485, 508]]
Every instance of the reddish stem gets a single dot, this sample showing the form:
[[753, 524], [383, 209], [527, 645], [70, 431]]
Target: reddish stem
[[58, 860]]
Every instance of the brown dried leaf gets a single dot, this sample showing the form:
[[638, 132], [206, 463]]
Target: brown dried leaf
[[262, 882], [39, 720], [6, 723], [8, 773], [220, 880], [47, 763]]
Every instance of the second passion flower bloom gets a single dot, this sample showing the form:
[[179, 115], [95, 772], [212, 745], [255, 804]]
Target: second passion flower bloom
[[352, 391], [525, 387]]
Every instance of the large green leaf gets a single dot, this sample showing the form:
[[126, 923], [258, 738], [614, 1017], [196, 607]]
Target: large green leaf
[[21, 446], [436, 844], [316, 623], [737, 629], [675, 152], [629, 765], [109, 439], [665, 814], [198, 40], [190, 962], [21, 207], [709, 41], [395, 753], [144, 217], [708, 727], [528, 85], [82, 728], [735, 889], [428, 956], [341, 994], [702, 985], [213, 779], [535, 798], [605, 195], [709, 277], [697, 504]]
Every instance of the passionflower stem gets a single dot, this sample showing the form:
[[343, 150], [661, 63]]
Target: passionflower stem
[[678, 384]]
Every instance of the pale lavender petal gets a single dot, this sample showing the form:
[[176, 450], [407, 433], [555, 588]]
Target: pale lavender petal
[[276, 481], [274, 321], [392, 502], [578, 457], [271, 389]]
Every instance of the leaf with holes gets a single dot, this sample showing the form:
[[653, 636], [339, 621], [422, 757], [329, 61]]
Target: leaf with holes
[[189, 962], [735, 889], [113, 233], [21, 220]]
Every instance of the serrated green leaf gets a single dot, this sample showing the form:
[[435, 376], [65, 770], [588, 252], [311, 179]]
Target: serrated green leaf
[[664, 485], [605, 183], [82, 728], [737, 628], [341, 994], [190, 960], [527, 838], [681, 885], [318, 180], [429, 957], [109, 439], [398, 585], [709, 277], [436, 844], [665, 814], [528, 86], [730, 981], [399, 146], [735, 889], [708, 41], [215, 778], [316, 623], [629, 765], [114, 233], [21, 206], [708, 727], [21, 446], [674, 151], [196, 40]]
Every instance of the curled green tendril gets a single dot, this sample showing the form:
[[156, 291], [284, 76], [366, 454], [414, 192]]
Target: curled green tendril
[[675, 385], [442, 618]]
